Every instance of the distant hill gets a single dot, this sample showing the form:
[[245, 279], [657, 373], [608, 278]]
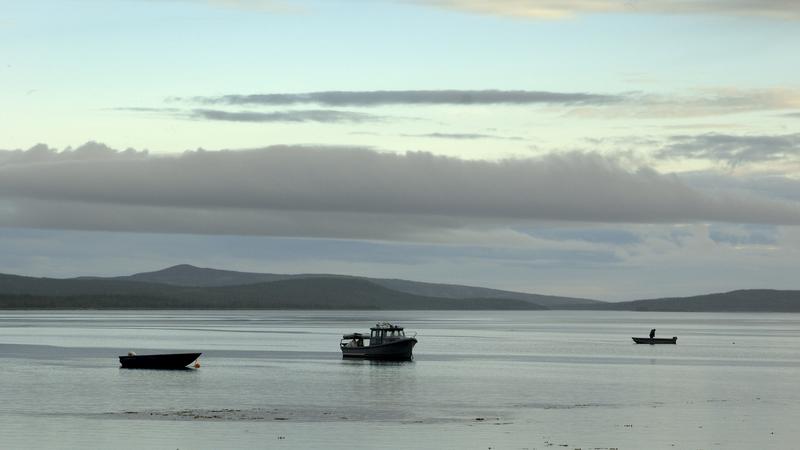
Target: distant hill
[[187, 275], [750, 300], [17, 292], [189, 287]]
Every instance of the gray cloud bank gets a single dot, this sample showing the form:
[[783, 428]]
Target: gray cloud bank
[[90, 151], [415, 97], [555, 9], [348, 192]]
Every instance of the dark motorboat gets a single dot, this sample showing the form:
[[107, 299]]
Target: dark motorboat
[[166, 361], [386, 342], [651, 341]]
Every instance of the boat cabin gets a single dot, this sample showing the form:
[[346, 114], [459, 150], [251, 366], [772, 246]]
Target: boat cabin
[[385, 332], [381, 333]]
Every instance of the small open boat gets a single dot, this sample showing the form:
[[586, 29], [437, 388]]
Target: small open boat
[[651, 341], [165, 361], [385, 342]]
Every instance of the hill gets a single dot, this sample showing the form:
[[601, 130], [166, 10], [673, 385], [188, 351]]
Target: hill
[[749, 300], [189, 287], [191, 276], [188, 275], [17, 292]]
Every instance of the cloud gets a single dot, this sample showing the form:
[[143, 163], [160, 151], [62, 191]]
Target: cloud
[[464, 136], [749, 235], [320, 115], [559, 9], [732, 149], [90, 151], [350, 192], [763, 184], [694, 103], [299, 116], [417, 97], [613, 236]]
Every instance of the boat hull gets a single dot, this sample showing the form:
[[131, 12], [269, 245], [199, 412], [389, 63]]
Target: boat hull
[[166, 361], [653, 341], [399, 350]]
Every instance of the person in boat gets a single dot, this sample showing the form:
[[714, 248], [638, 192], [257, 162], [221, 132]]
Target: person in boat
[[652, 333]]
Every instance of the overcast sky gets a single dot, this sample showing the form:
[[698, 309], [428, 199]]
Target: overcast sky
[[612, 150]]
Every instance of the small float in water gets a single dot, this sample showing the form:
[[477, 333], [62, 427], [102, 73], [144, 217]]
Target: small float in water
[[164, 361], [385, 342]]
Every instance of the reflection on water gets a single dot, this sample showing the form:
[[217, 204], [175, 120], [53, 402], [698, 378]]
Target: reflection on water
[[479, 379]]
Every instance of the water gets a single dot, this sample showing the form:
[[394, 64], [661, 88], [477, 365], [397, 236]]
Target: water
[[275, 379]]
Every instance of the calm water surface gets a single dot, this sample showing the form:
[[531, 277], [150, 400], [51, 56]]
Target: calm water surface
[[516, 380]]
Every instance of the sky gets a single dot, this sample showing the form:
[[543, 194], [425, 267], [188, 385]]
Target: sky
[[586, 148]]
